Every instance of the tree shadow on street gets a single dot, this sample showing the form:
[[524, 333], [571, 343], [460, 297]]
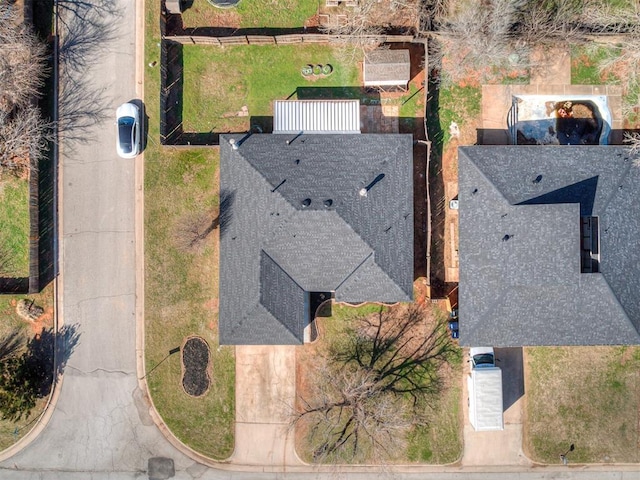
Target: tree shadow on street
[[84, 31], [47, 354]]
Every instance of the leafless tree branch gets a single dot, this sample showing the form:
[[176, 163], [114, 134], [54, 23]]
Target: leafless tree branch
[[22, 62], [370, 389]]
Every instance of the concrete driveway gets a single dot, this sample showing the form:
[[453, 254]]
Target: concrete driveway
[[265, 395], [504, 447]]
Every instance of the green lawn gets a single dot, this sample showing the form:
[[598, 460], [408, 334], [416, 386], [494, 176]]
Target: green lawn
[[251, 14], [14, 218], [458, 104], [585, 65], [441, 441], [438, 443], [181, 288], [218, 82], [588, 396]]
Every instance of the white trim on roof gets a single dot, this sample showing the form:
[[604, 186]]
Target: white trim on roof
[[316, 116]]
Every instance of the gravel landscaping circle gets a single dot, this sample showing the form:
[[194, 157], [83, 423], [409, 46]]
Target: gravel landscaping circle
[[195, 366]]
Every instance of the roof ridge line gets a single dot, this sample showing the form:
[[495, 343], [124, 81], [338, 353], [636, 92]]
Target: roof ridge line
[[613, 294], [614, 191], [383, 272], [272, 189], [359, 265], [285, 272]]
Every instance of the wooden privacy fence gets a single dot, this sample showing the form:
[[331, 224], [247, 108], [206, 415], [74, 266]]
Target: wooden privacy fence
[[285, 39]]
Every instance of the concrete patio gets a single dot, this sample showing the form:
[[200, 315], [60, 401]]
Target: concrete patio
[[551, 76]]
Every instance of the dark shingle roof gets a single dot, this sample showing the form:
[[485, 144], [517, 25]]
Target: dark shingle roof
[[527, 288], [276, 248]]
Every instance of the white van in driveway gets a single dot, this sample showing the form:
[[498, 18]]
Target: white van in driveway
[[485, 390]]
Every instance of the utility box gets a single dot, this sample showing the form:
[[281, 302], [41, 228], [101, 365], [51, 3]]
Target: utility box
[[485, 391]]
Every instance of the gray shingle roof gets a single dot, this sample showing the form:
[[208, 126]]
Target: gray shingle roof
[[527, 288], [276, 248]]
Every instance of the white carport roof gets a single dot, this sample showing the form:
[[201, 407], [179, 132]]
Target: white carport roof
[[316, 116]]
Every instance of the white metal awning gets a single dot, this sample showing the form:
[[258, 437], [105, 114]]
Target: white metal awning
[[316, 116]]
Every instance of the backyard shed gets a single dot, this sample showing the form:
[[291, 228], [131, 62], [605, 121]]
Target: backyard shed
[[387, 68]]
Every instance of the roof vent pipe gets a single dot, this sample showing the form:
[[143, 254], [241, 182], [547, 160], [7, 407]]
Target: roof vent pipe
[[363, 191], [232, 142]]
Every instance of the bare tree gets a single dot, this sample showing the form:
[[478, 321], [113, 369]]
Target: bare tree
[[193, 230], [632, 139], [362, 28], [23, 139], [369, 390], [623, 58], [477, 38], [22, 63], [481, 40], [546, 23], [24, 134]]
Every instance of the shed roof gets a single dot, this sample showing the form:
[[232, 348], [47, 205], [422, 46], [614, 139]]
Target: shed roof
[[386, 67], [276, 246], [528, 289]]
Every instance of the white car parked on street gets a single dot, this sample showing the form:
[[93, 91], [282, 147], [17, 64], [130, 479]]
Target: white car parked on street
[[128, 121]]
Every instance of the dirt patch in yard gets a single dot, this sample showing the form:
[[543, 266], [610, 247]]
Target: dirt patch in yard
[[450, 179]]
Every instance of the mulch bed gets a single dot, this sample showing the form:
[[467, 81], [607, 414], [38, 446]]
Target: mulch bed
[[195, 366]]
